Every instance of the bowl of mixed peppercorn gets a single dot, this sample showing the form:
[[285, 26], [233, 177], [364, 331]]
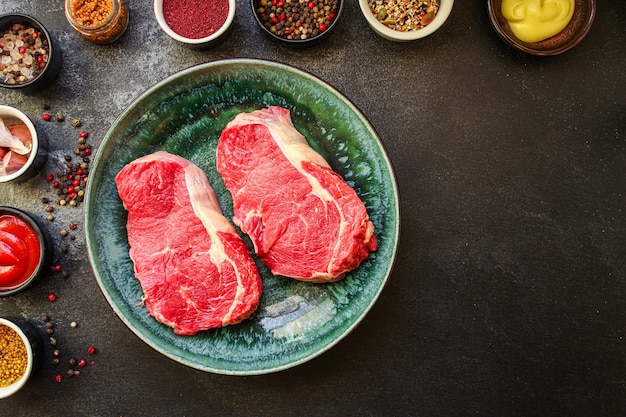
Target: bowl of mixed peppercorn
[[28, 59], [405, 20], [297, 22]]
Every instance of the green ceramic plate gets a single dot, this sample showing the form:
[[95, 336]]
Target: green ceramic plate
[[185, 114]]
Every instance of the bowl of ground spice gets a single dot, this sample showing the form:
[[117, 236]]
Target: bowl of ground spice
[[405, 20], [98, 21], [198, 24], [28, 59], [297, 22], [17, 357]]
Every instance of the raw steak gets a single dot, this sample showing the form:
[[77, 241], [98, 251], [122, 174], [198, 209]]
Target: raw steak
[[195, 271], [304, 220]]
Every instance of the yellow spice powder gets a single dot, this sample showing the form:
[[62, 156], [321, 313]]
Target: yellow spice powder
[[91, 12], [13, 356]]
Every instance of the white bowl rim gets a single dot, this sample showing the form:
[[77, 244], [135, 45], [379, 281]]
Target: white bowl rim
[[158, 13], [445, 8], [18, 114], [17, 385]]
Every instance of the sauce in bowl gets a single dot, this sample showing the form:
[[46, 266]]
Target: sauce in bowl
[[537, 20], [21, 251]]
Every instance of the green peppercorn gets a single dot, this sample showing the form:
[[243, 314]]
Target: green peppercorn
[[75, 122]]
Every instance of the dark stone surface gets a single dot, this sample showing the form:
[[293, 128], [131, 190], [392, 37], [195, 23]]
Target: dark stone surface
[[509, 291]]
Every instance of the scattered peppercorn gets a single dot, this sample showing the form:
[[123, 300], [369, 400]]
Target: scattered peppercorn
[[91, 350], [52, 297], [76, 122], [73, 325], [58, 378], [60, 118], [46, 117]]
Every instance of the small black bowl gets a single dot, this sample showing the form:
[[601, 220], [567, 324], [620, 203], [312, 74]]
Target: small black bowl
[[330, 24], [51, 71]]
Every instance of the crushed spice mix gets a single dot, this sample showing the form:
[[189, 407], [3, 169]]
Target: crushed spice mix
[[404, 15]]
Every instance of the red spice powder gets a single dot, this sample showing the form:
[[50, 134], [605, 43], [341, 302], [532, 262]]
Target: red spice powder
[[195, 19]]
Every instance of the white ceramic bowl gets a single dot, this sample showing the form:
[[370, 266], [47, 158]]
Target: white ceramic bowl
[[17, 385], [445, 7], [200, 43], [38, 153]]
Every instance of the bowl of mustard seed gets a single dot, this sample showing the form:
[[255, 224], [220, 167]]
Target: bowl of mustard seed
[[297, 22], [18, 352], [28, 59], [405, 20]]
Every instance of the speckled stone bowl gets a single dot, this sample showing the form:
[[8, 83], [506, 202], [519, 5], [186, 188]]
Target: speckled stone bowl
[[572, 35]]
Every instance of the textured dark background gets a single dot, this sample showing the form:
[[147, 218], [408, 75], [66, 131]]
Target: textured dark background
[[508, 296]]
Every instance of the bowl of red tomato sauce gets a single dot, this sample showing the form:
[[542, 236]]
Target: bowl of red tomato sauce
[[198, 24], [23, 250]]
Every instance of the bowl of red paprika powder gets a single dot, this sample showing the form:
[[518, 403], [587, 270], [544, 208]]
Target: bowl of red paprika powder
[[24, 250], [297, 23], [198, 24]]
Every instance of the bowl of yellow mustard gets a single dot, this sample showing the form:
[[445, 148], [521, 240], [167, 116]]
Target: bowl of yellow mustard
[[540, 27]]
